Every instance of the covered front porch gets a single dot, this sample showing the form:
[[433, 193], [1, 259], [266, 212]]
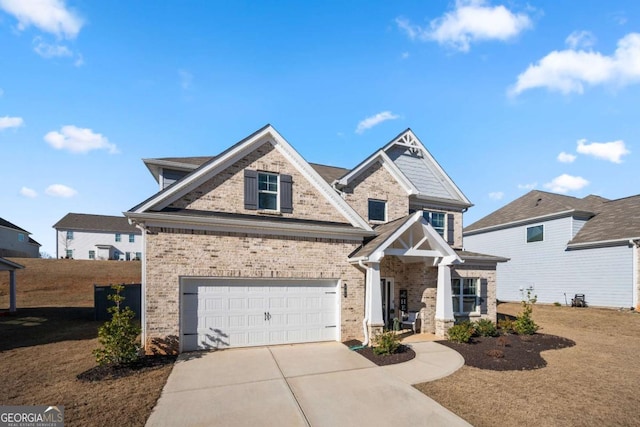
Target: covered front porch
[[408, 269]]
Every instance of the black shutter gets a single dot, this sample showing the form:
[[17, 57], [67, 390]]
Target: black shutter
[[450, 236], [286, 194], [250, 189], [483, 296]]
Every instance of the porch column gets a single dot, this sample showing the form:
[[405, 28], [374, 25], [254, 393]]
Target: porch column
[[12, 291], [444, 304], [374, 295]]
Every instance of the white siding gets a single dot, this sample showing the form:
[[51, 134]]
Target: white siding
[[11, 246], [577, 226], [85, 241], [604, 275]]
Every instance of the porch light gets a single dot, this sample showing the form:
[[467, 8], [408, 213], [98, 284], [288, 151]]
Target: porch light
[[344, 289]]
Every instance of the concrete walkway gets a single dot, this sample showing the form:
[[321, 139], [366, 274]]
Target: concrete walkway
[[321, 384]]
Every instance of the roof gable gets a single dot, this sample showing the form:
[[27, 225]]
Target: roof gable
[[536, 205], [7, 224], [617, 220], [411, 164], [266, 135]]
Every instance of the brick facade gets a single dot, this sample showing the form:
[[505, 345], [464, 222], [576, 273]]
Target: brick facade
[[224, 192], [172, 253], [377, 183]]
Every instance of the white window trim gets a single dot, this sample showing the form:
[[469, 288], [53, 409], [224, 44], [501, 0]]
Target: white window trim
[[118, 237], [277, 192], [526, 232], [478, 310], [386, 211], [445, 221]]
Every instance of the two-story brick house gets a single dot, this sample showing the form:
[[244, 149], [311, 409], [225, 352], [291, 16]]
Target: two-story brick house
[[257, 246]]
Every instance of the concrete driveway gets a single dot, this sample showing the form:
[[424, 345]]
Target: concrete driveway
[[321, 384]]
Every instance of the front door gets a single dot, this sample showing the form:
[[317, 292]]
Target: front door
[[388, 303]]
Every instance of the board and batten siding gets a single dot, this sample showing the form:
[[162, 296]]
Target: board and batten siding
[[604, 275]]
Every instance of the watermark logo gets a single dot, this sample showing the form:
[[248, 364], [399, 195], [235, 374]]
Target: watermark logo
[[32, 416]]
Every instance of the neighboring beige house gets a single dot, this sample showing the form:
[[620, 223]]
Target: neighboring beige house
[[97, 237], [16, 242], [256, 246]]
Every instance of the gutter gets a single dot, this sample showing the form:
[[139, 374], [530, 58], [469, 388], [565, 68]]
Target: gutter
[[612, 242], [365, 343]]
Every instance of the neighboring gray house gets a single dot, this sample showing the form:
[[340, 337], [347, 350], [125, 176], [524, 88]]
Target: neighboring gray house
[[15, 242], [256, 246], [561, 245], [102, 237]]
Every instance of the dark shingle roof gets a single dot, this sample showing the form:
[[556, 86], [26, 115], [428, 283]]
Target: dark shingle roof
[[537, 204], [76, 221], [617, 219], [196, 161], [475, 256], [384, 232], [5, 223]]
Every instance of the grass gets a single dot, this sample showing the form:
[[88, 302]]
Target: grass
[[48, 342], [594, 382]]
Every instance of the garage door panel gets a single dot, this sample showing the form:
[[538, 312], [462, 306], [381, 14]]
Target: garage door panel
[[231, 313]]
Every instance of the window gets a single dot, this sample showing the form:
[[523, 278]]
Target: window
[[20, 237], [535, 234], [118, 237], [127, 256], [70, 235], [377, 210], [132, 238], [437, 221], [267, 191], [465, 295], [92, 254], [69, 253], [138, 256]]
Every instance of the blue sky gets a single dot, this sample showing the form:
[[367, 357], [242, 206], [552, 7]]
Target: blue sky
[[507, 95]]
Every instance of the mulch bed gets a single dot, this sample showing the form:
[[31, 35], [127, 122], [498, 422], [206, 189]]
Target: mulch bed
[[508, 352], [404, 354], [112, 372]]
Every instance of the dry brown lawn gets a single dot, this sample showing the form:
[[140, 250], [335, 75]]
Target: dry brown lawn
[[593, 383], [43, 347]]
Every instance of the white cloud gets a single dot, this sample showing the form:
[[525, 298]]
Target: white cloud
[[7, 122], [372, 121], [496, 195], [566, 157], [530, 186], [51, 16], [566, 183], [79, 140], [405, 55], [47, 50], [611, 151], [59, 190], [186, 79], [79, 62], [470, 21], [28, 192], [1, 92], [580, 39], [569, 70]]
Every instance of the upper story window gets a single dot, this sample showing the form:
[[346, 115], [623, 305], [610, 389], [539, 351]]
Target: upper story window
[[437, 221], [132, 238], [20, 237], [377, 210], [69, 235], [118, 237], [535, 233], [267, 191]]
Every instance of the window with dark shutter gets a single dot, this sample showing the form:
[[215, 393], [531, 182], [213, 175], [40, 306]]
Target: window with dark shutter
[[450, 228], [250, 189], [286, 194]]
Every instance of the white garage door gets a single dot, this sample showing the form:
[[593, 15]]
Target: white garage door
[[222, 313]]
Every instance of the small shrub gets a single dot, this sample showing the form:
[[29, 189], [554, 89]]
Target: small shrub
[[524, 324], [486, 328], [461, 333], [118, 336], [495, 353], [557, 304], [506, 326], [386, 343]]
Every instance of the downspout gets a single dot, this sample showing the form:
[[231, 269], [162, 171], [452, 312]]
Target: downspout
[[634, 275], [365, 343], [143, 286]]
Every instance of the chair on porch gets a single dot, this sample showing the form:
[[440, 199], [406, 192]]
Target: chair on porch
[[411, 320]]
